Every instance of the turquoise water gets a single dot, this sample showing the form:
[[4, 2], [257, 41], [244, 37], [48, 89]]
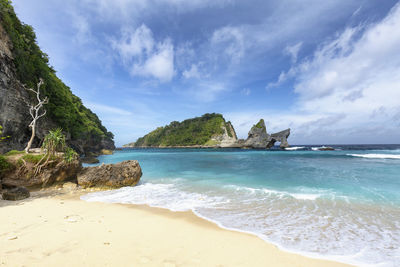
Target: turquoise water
[[342, 204]]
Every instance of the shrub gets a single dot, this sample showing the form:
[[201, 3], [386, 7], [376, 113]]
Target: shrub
[[4, 165], [70, 155], [54, 141]]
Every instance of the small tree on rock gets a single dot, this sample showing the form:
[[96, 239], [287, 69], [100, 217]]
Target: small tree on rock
[[35, 112]]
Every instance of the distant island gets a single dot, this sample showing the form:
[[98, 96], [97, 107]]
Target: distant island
[[210, 130]]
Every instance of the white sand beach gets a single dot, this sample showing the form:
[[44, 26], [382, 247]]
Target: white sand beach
[[53, 228]]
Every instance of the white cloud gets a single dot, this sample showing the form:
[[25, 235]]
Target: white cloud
[[349, 89], [160, 64], [135, 43], [354, 74], [144, 56], [229, 41], [293, 51], [193, 72]]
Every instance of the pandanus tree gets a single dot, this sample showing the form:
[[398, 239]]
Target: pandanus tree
[[36, 111], [53, 142]]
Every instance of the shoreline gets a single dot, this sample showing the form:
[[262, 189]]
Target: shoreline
[[54, 224]]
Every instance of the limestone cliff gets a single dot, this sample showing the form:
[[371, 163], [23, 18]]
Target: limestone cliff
[[22, 62], [259, 138], [227, 139]]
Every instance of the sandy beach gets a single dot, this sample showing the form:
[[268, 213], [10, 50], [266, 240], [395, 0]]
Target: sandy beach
[[53, 228]]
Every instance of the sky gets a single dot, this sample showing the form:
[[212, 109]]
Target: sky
[[329, 70]]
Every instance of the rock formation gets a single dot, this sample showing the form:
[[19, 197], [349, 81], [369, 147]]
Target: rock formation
[[259, 138], [16, 193], [228, 138], [126, 173], [51, 175], [281, 137]]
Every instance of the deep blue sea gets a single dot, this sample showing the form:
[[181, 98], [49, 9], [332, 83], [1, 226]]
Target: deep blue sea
[[342, 205]]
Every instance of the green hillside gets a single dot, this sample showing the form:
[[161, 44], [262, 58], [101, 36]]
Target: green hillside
[[196, 131], [64, 108]]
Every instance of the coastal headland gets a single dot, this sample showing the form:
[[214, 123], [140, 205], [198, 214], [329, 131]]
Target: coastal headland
[[210, 131]]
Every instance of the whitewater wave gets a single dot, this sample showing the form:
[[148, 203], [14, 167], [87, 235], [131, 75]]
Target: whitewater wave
[[320, 148], [295, 148], [155, 195], [376, 156], [297, 222]]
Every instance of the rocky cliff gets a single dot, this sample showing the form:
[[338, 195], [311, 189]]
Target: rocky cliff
[[259, 138], [22, 62], [228, 137]]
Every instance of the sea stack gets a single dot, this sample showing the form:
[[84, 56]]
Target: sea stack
[[259, 138]]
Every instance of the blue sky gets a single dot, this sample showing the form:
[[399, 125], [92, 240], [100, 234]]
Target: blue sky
[[330, 70]]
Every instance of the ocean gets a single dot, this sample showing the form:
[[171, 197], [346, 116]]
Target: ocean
[[342, 205]]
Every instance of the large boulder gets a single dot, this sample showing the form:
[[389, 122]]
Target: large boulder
[[16, 193], [126, 173], [50, 175]]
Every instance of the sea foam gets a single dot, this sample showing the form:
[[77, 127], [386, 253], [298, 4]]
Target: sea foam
[[295, 148], [376, 156]]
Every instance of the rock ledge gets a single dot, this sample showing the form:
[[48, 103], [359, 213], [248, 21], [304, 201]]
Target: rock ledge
[[126, 173]]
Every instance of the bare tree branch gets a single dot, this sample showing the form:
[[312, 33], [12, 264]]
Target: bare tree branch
[[34, 111]]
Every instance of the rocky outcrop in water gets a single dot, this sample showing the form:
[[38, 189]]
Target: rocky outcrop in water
[[126, 173], [281, 137], [259, 138]]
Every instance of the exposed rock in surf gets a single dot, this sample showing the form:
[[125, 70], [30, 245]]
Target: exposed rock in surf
[[259, 138], [281, 137]]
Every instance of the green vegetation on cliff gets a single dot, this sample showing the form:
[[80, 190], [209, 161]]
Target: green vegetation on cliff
[[64, 108], [260, 124], [196, 131]]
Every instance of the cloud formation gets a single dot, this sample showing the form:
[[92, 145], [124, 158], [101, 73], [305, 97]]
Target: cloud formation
[[144, 56], [350, 86]]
